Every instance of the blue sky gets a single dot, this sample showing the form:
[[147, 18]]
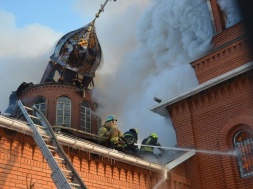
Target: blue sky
[[59, 15]]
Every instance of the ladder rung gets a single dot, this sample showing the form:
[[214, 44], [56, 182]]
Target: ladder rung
[[34, 117], [66, 171], [58, 158], [48, 139], [28, 108], [69, 176], [74, 184], [52, 150], [51, 147], [46, 136]]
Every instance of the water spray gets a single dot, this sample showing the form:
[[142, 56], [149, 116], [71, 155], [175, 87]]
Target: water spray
[[226, 153]]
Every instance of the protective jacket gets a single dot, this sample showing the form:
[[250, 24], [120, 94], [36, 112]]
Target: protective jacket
[[131, 136], [104, 131], [115, 134], [152, 142], [110, 132]]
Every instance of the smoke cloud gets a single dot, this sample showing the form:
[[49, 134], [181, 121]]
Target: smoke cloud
[[153, 60], [231, 11], [22, 50]]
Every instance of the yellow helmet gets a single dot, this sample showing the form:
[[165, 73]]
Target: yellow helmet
[[154, 135], [136, 130]]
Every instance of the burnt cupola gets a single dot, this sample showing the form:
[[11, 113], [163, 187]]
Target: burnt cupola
[[76, 57]]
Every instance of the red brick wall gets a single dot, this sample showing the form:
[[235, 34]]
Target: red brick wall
[[203, 121], [223, 60], [52, 92], [230, 50], [228, 35], [218, 20], [22, 164]]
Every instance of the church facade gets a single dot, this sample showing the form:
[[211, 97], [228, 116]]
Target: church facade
[[215, 116]]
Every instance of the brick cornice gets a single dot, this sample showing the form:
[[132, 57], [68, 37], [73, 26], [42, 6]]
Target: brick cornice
[[223, 60], [47, 87], [205, 62], [219, 94], [228, 35]]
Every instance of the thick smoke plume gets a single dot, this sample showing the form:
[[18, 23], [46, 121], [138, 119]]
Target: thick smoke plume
[[231, 11], [166, 38]]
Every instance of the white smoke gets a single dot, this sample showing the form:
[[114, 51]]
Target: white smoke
[[22, 50], [165, 39], [147, 47], [231, 10]]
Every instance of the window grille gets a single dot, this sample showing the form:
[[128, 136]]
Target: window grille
[[85, 117], [243, 142], [63, 111], [99, 123], [40, 103]]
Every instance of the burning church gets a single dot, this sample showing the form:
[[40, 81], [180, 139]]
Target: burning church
[[55, 146]]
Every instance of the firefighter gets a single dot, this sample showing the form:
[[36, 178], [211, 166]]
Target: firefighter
[[152, 140], [111, 131], [131, 137]]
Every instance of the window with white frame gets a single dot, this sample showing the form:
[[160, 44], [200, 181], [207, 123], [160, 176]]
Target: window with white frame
[[99, 123], [63, 111], [40, 104], [85, 122], [243, 142]]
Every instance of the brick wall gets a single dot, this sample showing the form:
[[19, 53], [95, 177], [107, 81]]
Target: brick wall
[[234, 32], [51, 92], [22, 165], [208, 121], [229, 57], [218, 18]]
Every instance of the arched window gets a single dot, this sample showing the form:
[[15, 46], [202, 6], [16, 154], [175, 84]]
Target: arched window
[[40, 103], [243, 142], [85, 117], [63, 111]]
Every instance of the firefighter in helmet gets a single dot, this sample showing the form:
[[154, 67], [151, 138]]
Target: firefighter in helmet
[[110, 131], [131, 138], [148, 142]]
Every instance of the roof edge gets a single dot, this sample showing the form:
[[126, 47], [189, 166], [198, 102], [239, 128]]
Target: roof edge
[[161, 107], [22, 127]]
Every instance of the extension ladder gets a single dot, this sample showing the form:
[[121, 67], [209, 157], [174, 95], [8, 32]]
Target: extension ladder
[[63, 173]]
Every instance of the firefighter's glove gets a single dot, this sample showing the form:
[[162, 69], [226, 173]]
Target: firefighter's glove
[[121, 141]]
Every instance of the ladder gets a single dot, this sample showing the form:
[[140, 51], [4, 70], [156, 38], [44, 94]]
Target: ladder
[[63, 173]]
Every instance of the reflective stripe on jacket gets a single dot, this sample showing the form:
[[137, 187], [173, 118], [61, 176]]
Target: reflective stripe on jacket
[[104, 130], [131, 137], [149, 141]]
